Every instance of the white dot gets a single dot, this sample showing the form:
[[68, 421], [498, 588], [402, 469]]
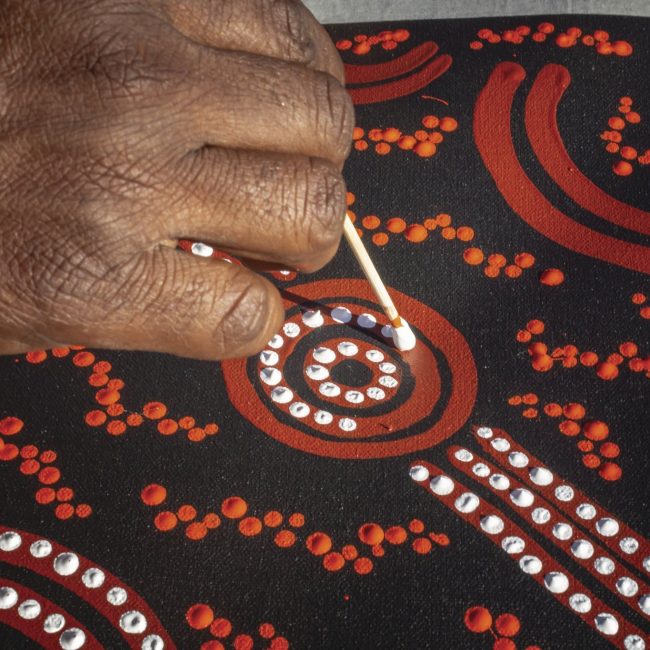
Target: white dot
[[341, 315], [604, 566], [375, 393], [580, 603], [607, 527], [634, 642], [387, 381], [347, 348], [317, 372], [281, 395], [291, 330], [8, 597], [323, 417], [513, 545], [564, 492], [540, 515], [65, 564], [499, 482], [500, 444], [562, 531], [201, 249], [484, 432], [644, 603], [299, 410], [29, 609], [556, 582], [492, 524], [541, 476], [40, 548], [313, 318], [116, 596], [347, 424], [646, 563], [419, 473], [271, 376], [367, 321], [441, 485], [269, 357], [629, 545], [324, 355], [133, 622], [93, 578], [582, 549], [54, 623], [586, 511], [276, 342], [388, 368], [375, 356], [387, 332], [10, 541], [464, 455], [467, 502], [329, 389], [517, 458], [522, 497], [626, 586], [72, 639], [481, 469], [354, 396], [606, 624], [152, 642], [530, 564]]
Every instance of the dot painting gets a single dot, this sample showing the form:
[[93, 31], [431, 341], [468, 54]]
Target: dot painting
[[331, 491]]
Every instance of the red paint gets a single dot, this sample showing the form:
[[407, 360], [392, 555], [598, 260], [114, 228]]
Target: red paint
[[402, 87], [360, 74], [493, 138], [363, 442], [544, 135]]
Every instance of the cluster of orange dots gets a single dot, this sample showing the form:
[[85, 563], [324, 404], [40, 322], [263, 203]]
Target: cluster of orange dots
[[573, 424], [201, 617], [362, 44], [569, 38], [423, 142], [614, 139], [640, 299], [495, 262], [479, 620], [543, 360], [34, 462]]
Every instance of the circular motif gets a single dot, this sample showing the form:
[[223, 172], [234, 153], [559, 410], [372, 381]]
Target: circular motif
[[339, 388]]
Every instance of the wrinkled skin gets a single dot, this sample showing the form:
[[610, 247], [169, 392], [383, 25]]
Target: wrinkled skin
[[126, 124]]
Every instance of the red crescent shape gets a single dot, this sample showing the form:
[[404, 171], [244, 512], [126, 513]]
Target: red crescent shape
[[494, 141], [545, 138]]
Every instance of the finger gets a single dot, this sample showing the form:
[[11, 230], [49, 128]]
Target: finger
[[271, 207], [282, 29], [11, 346], [167, 301]]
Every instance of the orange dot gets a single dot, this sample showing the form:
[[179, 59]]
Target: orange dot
[[604, 48], [343, 44], [449, 232], [186, 513], [64, 494], [396, 225], [380, 239], [116, 427], [376, 135], [49, 475], [610, 450], [430, 121], [396, 535], [476, 45], [211, 429], [622, 48], [507, 625], [610, 471], [250, 526], [622, 168], [513, 271], [30, 466], [564, 40], [153, 494], [297, 520], [615, 358], [591, 461], [494, 38], [36, 356], [633, 117], [333, 562], [360, 145], [196, 530], [478, 619], [107, 396], [569, 428], [8, 452], [45, 495], [616, 123], [542, 362], [539, 37], [64, 511], [448, 124], [212, 645], [60, 352], [574, 411], [382, 148], [629, 153], [595, 430], [406, 142], [588, 40], [371, 222], [425, 149], [421, 136], [524, 260], [134, 419], [530, 398], [378, 550], [636, 365], [422, 545], [29, 451], [199, 616], [391, 134], [234, 507], [83, 359], [83, 510], [492, 272], [221, 628], [371, 534], [585, 445], [167, 427], [645, 312], [484, 33], [443, 219], [273, 519], [212, 520], [416, 526], [628, 349], [196, 434], [606, 370], [601, 35], [436, 137], [357, 133], [535, 326], [537, 348], [553, 410], [318, 543], [401, 35], [165, 521], [186, 422], [504, 644], [115, 409], [473, 256], [97, 379], [611, 147], [588, 359], [465, 233], [529, 413], [360, 49], [154, 410], [10, 426], [363, 565], [285, 538], [615, 136], [514, 400], [416, 233], [48, 456], [266, 631], [551, 277]]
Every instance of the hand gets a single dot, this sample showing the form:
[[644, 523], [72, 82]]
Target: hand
[[125, 124]]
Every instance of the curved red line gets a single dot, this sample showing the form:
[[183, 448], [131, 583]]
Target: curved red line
[[359, 74], [494, 141], [402, 87], [33, 629], [546, 140]]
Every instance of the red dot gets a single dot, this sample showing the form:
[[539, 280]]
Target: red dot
[[610, 471], [607, 371], [609, 450], [64, 511], [10, 426], [504, 644], [363, 565], [221, 628], [199, 616], [622, 168], [333, 561], [153, 494], [551, 277], [49, 475], [279, 643], [478, 619], [507, 625], [243, 642], [165, 521], [318, 543], [371, 534]]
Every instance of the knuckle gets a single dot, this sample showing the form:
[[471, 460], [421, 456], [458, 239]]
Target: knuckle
[[335, 114], [292, 31]]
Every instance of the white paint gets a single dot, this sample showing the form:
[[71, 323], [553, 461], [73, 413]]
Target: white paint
[[517, 458], [541, 476], [324, 355], [8, 597], [40, 548], [586, 511], [281, 395], [152, 642], [627, 586], [291, 330], [329, 389], [317, 372], [562, 531], [65, 564], [388, 382], [116, 596], [29, 609], [540, 516], [10, 541], [467, 502], [375, 356], [347, 424], [54, 623], [403, 337], [606, 623], [604, 566], [354, 396], [269, 357], [499, 482], [484, 432], [646, 563], [492, 524], [341, 315], [629, 545], [419, 473], [556, 582], [464, 455], [313, 318], [580, 603], [387, 331], [582, 549], [634, 642], [441, 485], [564, 492], [513, 545], [607, 527], [522, 497], [271, 376], [644, 603], [500, 444], [133, 622], [276, 342], [367, 321], [323, 417], [530, 564], [72, 639], [481, 470], [375, 393], [388, 368], [93, 578], [202, 250], [299, 410], [347, 348]]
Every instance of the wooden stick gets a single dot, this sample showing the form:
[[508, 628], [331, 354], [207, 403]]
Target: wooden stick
[[370, 272]]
